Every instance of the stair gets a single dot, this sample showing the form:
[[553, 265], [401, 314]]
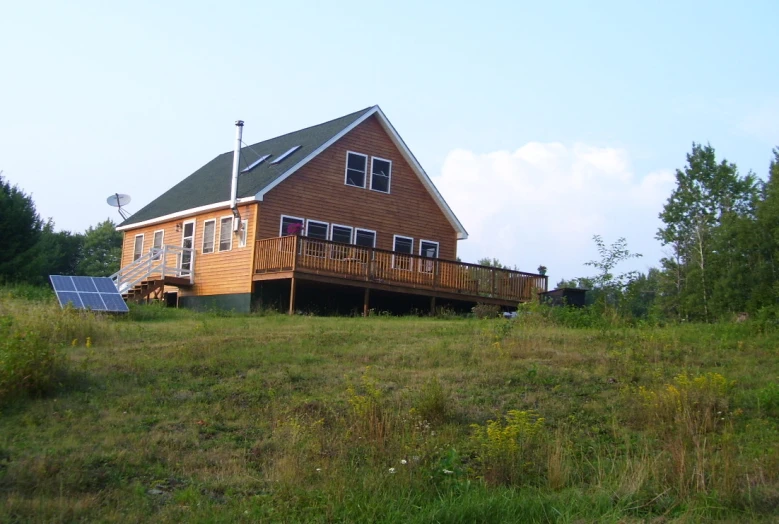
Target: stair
[[144, 279], [145, 291]]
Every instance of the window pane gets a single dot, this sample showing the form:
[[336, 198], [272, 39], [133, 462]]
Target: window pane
[[158, 239], [317, 230], [357, 162], [365, 238], [355, 170], [138, 247], [380, 180], [429, 249], [291, 226], [404, 245], [226, 234], [342, 234], [208, 236]]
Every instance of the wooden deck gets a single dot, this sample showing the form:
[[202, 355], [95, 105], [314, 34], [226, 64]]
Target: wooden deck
[[295, 256]]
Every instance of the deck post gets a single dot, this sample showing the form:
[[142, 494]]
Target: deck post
[[365, 301], [292, 296]]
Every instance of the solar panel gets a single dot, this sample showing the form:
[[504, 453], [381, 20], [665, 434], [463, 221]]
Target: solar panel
[[93, 293], [255, 163], [285, 155]]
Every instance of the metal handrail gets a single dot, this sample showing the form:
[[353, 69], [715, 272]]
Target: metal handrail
[[155, 263]]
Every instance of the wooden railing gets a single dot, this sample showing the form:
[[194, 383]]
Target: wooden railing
[[295, 253], [159, 262]]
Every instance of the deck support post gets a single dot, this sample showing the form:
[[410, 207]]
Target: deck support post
[[292, 296], [432, 306], [365, 301]]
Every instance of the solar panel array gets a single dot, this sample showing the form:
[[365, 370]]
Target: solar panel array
[[95, 293]]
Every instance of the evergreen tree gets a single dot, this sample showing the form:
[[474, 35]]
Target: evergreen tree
[[20, 230]]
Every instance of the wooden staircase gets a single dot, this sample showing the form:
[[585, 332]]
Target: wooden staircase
[[144, 279], [152, 290]]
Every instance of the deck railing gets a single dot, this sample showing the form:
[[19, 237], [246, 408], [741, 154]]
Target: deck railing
[[159, 262], [296, 253]]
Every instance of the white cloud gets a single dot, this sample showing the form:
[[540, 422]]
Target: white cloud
[[542, 203]]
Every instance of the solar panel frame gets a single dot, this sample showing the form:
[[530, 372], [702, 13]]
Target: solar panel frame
[[91, 293]]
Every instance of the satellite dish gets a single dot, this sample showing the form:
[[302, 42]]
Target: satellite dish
[[119, 200]]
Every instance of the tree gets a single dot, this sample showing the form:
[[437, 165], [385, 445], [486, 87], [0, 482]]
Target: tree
[[20, 230], [56, 253], [101, 250], [609, 285], [705, 193]]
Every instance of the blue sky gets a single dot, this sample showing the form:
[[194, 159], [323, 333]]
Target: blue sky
[[542, 123]]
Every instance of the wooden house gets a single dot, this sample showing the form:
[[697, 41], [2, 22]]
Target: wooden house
[[342, 207]]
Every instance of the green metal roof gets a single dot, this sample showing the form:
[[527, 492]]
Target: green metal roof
[[211, 183]]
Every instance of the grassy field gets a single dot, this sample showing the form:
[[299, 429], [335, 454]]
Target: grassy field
[[174, 416]]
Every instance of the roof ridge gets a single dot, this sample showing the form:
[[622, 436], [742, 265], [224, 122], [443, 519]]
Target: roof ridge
[[361, 111]]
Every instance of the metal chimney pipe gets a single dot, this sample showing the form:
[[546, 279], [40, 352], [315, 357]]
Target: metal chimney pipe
[[236, 160]]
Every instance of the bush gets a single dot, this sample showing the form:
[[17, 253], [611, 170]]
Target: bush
[[486, 310], [508, 452], [28, 363]]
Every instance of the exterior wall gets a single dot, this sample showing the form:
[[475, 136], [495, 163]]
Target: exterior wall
[[317, 192], [228, 272]]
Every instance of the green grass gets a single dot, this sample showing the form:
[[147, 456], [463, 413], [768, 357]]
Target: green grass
[[175, 416]]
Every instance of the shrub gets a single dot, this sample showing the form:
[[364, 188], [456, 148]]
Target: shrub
[[509, 452], [432, 403], [28, 363], [486, 310]]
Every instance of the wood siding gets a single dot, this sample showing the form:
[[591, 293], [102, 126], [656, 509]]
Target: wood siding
[[215, 273], [317, 192]]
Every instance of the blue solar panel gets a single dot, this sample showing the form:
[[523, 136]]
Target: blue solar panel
[[95, 293], [84, 284], [92, 301], [62, 283], [71, 297], [114, 302]]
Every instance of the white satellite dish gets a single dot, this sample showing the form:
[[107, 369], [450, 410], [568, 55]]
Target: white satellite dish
[[119, 200]]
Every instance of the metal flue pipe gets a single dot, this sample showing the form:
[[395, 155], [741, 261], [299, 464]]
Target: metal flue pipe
[[234, 185]]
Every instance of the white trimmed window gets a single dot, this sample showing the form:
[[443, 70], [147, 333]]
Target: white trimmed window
[[341, 235], [316, 229], [159, 235], [356, 166], [242, 233], [289, 225], [226, 234], [381, 172], [364, 238], [209, 231], [138, 247], [427, 249], [404, 246]]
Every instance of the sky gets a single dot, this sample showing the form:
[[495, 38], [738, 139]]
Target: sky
[[541, 123]]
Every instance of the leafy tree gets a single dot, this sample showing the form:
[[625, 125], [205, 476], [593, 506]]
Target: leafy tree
[[20, 229], [101, 250], [606, 281], [705, 193], [491, 262], [57, 253]]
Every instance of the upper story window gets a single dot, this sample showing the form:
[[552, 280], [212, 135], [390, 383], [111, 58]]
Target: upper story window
[[226, 234], [381, 171], [290, 226], [356, 166]]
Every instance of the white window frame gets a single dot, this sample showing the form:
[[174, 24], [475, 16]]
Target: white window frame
[[281, 223], [213, 239], [154, 241], [424, 265], [389, 176], [219, 245], [243, 233], [321, 223], [346, 170], [338, 250], [135, 243], [180, 261], [375, 236], [314, 249], [410, 255]]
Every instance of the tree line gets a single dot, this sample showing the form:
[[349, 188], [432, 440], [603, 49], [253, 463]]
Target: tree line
[[721, 238], [32, 250]]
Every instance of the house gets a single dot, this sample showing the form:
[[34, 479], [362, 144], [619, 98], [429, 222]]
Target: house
[[340, 208]]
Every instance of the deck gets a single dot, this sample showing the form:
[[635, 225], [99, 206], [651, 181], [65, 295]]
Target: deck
[[326, 261]]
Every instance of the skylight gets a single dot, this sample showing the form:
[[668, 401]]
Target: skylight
[[255, 164], [285, 155]]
